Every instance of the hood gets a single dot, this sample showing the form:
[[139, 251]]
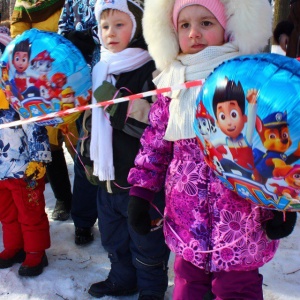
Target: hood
[[249, 26]]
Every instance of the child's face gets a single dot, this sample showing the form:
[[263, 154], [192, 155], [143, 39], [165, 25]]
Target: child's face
[[116, 29], [21, 61], [197, 29], [230, 118]]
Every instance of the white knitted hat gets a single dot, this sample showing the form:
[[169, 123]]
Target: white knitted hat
[[134, 8]]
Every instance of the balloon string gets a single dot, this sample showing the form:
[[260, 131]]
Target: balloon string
[[114, 97], [75, 150], [247, 232]]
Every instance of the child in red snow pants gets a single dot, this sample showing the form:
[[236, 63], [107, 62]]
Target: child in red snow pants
[[25, 224]]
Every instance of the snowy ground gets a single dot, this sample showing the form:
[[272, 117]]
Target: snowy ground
[[72, 269]]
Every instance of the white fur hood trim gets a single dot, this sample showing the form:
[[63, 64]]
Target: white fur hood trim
[[249, 24]]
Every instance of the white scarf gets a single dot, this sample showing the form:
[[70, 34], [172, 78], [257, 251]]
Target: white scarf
[[101, 135], [189, 67]]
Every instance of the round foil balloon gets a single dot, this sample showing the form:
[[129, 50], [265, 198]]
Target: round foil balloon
[[41, 73], [247, 125]]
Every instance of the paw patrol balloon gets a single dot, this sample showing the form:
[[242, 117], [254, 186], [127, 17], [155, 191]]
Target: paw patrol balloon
[[247, 126], [41, 73]]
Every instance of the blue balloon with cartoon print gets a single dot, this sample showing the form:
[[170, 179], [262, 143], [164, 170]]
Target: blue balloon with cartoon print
[[41, 73], [247, 125]]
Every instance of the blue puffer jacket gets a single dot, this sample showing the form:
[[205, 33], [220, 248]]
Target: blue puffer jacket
[[20, 145]]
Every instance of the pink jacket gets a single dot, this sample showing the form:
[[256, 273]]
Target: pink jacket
[[205, 223]]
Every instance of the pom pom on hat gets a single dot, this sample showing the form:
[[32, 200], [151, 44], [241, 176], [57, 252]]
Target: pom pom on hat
[[134, 8], [215, 6]]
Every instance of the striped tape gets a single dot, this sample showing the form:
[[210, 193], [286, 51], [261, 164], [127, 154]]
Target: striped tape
[[64, 113]]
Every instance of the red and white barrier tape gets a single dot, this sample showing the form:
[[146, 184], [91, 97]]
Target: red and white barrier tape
[[63, 113]]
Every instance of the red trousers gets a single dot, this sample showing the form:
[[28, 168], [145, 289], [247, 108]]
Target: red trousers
[[24, 221], [192, 283]]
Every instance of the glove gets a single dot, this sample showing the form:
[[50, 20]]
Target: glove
[[35, 170], [105, 92], [278, 228], [83, 40], [138, 215]]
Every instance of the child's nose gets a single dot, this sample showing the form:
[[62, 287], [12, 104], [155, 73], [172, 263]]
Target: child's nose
[[195, 32], [111, 32]]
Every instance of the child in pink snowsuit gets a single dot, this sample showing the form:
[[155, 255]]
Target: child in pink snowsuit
[[218, 238]]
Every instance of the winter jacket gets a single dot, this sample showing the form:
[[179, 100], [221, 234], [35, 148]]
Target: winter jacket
[[126, 130], [20, 145], [201, 214], [33, 11], [290, 27], [79, 16]]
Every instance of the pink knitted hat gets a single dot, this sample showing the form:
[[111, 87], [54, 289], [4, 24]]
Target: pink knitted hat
[[215, 6]]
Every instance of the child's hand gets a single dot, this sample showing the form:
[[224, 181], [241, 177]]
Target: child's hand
[[105, 92], [252, 96], [35, 170], [138, 215], [281, 226]]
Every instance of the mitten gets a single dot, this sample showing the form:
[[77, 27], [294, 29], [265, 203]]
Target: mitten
[[83, 40], [107, 91], [278, 227], [138, 215], [35, 170]]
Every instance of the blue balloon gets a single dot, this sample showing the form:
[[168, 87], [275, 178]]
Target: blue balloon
[[42, 72], [247, 126]]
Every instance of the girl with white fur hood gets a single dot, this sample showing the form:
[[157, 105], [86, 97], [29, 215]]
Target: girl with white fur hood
[[218, 238]]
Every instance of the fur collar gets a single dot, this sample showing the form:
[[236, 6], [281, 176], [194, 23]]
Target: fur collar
[[249, 25]]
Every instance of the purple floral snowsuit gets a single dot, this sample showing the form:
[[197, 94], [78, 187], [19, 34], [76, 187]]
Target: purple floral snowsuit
[[200, 214]]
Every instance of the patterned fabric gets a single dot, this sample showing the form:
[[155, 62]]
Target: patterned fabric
[[79, 15], [20, 145], [201, 214], [34, 11]]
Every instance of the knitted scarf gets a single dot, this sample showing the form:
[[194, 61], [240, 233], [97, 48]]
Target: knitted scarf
[[189, 67], [101, 138]]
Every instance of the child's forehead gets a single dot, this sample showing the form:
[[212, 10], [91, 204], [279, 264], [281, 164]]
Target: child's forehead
[[110, 12]]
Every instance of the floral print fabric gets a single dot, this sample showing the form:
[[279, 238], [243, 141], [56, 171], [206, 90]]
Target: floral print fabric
[[205, 223], [20, 145]]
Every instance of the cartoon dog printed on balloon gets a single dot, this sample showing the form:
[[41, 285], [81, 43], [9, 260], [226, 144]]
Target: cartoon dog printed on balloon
[[274, 134], [291, 176]]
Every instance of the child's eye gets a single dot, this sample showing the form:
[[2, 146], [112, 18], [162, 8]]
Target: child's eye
[[105, 27], [206, 23], [222, 116], [119, 24], [185, 25]]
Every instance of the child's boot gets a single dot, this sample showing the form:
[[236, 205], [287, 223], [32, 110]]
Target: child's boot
[[8, 257], [33, 264]]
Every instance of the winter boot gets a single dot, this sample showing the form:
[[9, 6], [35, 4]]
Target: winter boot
[[60, 212], [8, 257], [34, 264], [108, 288], [83, 236], [57, 173]]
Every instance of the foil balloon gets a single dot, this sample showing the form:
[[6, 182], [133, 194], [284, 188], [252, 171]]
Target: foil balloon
[[247, 125], [41, 73]]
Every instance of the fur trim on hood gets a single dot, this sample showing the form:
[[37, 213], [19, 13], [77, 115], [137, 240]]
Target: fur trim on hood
[[249, 26]]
